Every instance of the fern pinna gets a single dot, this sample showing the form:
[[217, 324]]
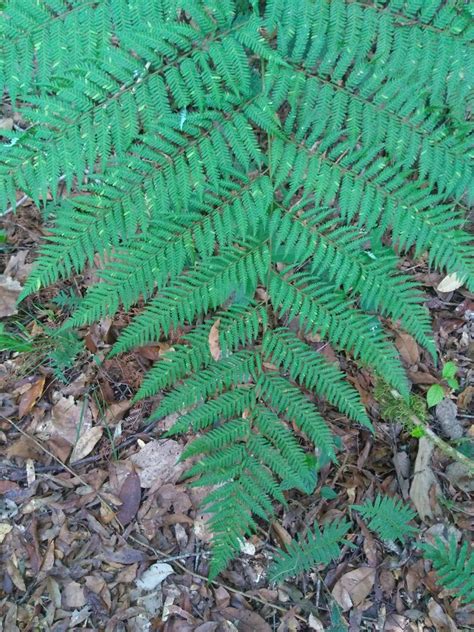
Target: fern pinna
[[242, 166]]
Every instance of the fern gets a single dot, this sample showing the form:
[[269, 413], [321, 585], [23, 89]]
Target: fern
[[318, 547], [454, 567], [389, 518], [251, 170]]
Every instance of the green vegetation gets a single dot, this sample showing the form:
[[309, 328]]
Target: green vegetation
[[242, 167]]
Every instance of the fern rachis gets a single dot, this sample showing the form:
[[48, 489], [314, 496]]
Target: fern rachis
[[248, 164]]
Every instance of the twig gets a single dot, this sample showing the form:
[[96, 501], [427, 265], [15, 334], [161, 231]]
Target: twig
[[438, 442]]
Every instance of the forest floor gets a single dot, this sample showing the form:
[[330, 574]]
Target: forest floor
[[98, 533]]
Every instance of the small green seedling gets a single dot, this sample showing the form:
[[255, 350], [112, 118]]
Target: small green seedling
[[437, 392]]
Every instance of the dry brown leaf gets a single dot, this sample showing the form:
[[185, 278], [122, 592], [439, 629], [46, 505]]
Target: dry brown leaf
[[5, 529], [423, 481], [157, 462], [214, 345], [73, 595], [353, 587], [130, 495], [86, 443], [117, 410], [17, 268], [15, 575], [465, 398], [408, 348], [68, 419], [441, 621], [450, 283], [32, 395], [396, 623], [9, 292], [245, 620]]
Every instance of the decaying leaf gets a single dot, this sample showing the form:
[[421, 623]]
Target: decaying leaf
[[158, 461], [450, 283], [154, 576], [441, 621], [245, 620], [130, 495], [86, 443], [424, 481], [68, 421], [214, 345], [9, 293], [5, 529], [31, 396], [353, 587], [408, 348]]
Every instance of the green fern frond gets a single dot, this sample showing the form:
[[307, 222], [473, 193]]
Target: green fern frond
[[205, 288], [454, 567], [313, 371], [317, 547], [388, 517], [242, 169], [327, 312]]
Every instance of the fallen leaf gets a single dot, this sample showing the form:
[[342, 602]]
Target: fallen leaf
[[154, 576], [31, 396], [353, 587], [315, 624], [465, 398], [86, 443], [408, 348], [130, 495], [396, 623], [214, 346], [424, 480], [157, 462], [450, 283], [117, 410], [15, 575], [8, 486], [420, 377], [441, 621], [67, 419], [5, 529], [9, 293], [17, 268], [245, 620], [459, 476], [73, 595]]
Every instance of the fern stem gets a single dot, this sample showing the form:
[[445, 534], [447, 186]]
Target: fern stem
[[442, 445]]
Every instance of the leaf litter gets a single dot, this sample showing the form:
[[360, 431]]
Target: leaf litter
[[97, 530]]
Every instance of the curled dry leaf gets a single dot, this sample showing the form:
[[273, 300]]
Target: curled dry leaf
[[31, 396], [441, 621], [5, 529], [214, 346], [353, 587], [450, 283], [9, 293], [86, 443], [408, 348]]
